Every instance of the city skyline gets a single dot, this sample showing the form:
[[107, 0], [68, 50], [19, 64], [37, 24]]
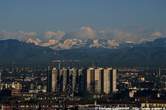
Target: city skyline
[[82, 54], [82, 88]]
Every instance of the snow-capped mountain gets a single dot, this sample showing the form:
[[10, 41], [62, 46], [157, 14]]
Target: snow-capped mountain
[[152, 53], [78, 43]]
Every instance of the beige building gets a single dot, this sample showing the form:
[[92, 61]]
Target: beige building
[[99, 80], [113, 80], [90, 80], [110, 80], [64, 75], [74, 73], [54, 79], [107, 80]]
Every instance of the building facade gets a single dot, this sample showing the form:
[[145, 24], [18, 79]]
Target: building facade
[[54, 79], [91, 80], [99, 80]]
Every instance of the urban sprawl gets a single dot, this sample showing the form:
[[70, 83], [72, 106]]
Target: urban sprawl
[[86, 88]]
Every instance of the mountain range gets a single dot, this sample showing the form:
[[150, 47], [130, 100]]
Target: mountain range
[[17, 52], [150, 53]]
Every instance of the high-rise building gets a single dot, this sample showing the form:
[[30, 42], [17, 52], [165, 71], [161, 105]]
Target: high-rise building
[[110, 80], [54, 79], [75, 80], [99, 80], [107, 80], [73, 73], [113, 80], [65, 74], [49, 79], [60, 81], [91, 80], [81, 81]]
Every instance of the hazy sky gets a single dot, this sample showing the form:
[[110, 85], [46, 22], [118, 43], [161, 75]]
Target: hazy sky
[[69, 15]]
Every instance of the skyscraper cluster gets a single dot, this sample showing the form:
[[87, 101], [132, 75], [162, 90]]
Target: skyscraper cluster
[[73, 81], [101, 80]]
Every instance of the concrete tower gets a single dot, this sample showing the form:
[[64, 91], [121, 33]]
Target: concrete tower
[[54, 79], [91, 80], [113, 80], [99, 80], [110, 80]]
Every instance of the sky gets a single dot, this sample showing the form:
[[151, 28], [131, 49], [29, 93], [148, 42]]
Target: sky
[[70, 15]]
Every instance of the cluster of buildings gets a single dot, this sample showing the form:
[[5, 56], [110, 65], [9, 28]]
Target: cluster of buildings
[[73, 81], [82, 88]]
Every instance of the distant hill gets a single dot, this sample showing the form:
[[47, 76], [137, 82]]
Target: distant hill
[[16, 52], [145, 54]]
